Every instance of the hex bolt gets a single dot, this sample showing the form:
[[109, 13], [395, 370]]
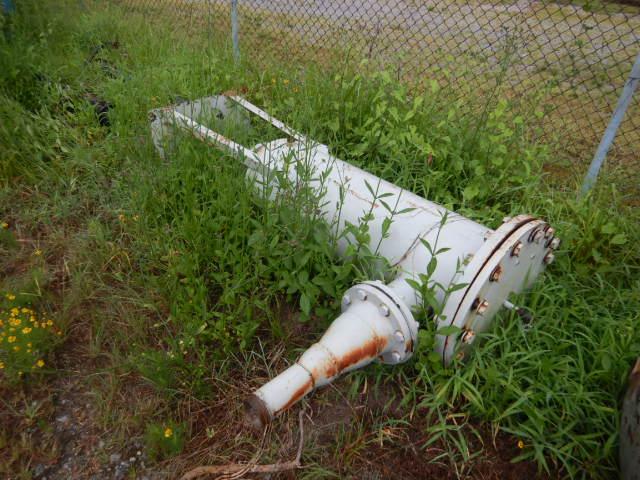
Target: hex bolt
[[384, 310], [362, 295], [549, 258], [468, 336], [399, 336], [550, 232], [496, 274], [396, 356], [537, 236], [515, 251], [346, 300], [482, 307], [555, 243]]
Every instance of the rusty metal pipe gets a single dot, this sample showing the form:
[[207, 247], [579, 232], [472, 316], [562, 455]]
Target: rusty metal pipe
[[371, 327]]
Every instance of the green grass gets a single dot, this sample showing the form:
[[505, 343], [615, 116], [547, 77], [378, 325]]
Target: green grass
[[177, 287]]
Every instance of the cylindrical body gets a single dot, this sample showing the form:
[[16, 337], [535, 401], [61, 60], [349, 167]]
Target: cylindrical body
[[469, 269], [348, 194]]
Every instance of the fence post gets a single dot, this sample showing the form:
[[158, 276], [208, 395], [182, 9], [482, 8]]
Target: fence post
[[234, 30], [612, 128]]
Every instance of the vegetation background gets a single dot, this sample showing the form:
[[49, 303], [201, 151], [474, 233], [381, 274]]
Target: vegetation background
[[172, 290]]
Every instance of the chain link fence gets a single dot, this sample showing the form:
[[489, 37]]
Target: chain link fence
[[569, 60]]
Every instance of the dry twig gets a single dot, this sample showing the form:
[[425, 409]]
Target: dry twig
[[235, 471]]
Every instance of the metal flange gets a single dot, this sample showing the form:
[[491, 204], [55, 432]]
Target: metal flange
[[509, 261], [405, 329]]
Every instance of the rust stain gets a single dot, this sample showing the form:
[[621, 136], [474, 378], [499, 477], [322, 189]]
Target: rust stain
[[370, 349], [409, 345], [297, 395], [328, 369], [256, 413], [234, 93]]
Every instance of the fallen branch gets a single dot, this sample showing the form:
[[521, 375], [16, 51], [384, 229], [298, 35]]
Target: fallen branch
[[236, 470]]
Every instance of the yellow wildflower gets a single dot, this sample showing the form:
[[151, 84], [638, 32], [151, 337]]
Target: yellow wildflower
[[49, 322], [285, 81], [29, 344], [520, 444], [25, 310], [11, 339], [5, 225], [1, 365], [10, 296], [16, 348], [40, 363], [121, 217], [168, 432], [26, 330], [273, 80], [14, 311], [37, 252]]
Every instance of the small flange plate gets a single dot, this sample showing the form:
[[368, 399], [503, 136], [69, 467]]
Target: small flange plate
[[405, 328]]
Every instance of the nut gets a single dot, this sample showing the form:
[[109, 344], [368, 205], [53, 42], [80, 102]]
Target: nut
[[399, 336], [346, 300], [496, 274], [396, 356], [515, 251], [550, 232], [468, 336], [384, 310], [537, 236], [482, 307], [555, 243], [362, 295], [549, 258]]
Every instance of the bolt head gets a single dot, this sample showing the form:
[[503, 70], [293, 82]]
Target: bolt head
[[496, 274], [555, 243], [346, 300], [362, 295], [384, 310], [399, 336], [468, 336], [549, 258], [537, 236], [482, 307], [396, 356], [550, 232], [517, 248]]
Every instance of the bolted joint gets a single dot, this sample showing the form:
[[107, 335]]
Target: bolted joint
[[482, 307], [549, 258], [517, 248], [468, 336]]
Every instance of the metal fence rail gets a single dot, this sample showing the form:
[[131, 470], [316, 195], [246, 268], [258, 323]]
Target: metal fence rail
[[571, 60]]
